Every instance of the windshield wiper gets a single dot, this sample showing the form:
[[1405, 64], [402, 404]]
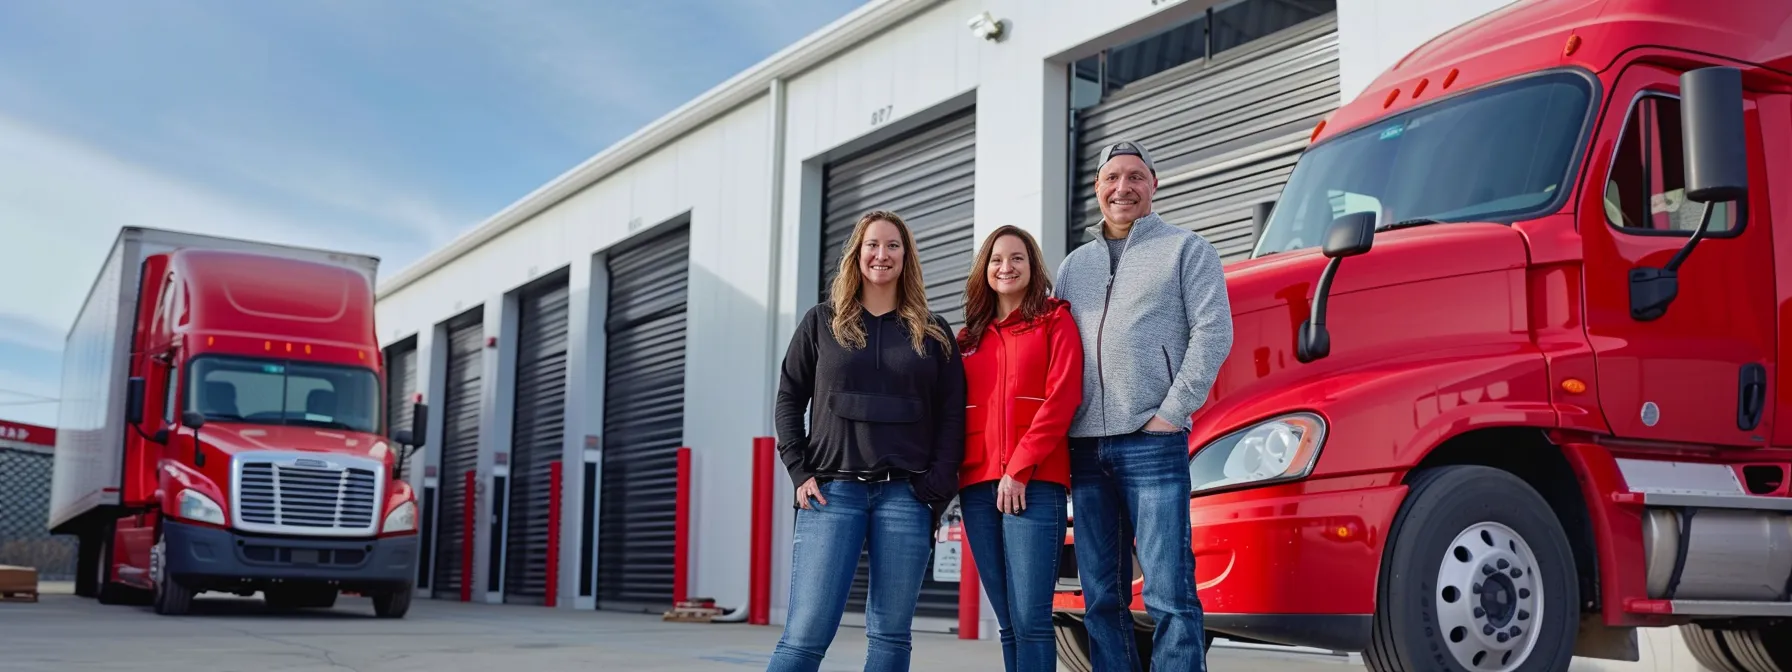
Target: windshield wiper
[[1408, 223]]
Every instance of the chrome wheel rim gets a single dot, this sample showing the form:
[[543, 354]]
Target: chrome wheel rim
[[1489, 601]]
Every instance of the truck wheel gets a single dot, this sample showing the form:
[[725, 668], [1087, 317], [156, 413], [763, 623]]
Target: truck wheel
[[1478, 575], [392, 603], [171, 598], [1764, 648], [1073, 644], [104, 590]]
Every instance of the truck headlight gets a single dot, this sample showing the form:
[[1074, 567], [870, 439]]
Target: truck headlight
[[200, 508], [401, 519], [1272, 451]]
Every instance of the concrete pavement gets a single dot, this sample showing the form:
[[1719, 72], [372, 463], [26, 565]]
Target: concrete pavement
[[227, 634]]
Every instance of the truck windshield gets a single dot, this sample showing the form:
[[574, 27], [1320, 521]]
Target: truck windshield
[[1498, 154], [283, 392]]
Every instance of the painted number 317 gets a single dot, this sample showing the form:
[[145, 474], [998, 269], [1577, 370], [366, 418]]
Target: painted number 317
[[881, 115]]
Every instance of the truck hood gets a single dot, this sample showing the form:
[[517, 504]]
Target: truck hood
[[1418, 292], [232, 438]]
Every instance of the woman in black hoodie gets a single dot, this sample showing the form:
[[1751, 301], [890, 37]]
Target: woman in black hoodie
[[884, 386]]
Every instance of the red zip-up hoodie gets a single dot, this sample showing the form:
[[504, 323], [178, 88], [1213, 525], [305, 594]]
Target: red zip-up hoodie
[[1023, 382]]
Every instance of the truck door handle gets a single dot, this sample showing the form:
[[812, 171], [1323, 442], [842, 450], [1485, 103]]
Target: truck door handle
[[1751, 395]]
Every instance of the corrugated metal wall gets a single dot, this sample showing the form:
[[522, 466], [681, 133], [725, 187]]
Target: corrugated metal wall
[[25, 540], [1224, 133], [460, 446], [926, 177], [538, 434], [643, 420]]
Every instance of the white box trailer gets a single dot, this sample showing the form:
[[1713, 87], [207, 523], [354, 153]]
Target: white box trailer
[[87, 471]]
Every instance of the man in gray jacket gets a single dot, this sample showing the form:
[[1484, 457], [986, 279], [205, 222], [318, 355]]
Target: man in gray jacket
[[1150, 302]]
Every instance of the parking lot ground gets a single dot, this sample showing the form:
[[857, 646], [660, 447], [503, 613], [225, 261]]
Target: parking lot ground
[[62, 632]]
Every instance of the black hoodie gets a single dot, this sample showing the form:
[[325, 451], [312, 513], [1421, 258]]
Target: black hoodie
[[874, 409]]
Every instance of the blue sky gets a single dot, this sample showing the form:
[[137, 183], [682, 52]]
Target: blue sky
[[381, 127]]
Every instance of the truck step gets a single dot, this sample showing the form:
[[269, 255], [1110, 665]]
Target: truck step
[[1709, 608]]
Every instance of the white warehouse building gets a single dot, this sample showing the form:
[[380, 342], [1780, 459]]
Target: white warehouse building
[[642, 301]]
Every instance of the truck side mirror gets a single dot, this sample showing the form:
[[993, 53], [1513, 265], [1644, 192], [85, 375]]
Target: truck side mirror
[[1716, 152], [419, 424], [192, 419], [1716, 149], [1348, 236], [133, 400]]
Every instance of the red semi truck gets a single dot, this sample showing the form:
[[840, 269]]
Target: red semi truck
[[221, 429], [1505, 383]]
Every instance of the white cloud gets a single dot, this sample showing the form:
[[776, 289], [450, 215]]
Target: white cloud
[[62, 203]]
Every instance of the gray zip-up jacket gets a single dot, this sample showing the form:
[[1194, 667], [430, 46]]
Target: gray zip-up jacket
[[1154, 331]]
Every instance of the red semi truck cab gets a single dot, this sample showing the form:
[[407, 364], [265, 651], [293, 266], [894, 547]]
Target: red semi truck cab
[[222, 429], [1505, 377]]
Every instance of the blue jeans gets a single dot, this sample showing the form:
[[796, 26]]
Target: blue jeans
[[1136, 482], [826, 556], [1017, 562]]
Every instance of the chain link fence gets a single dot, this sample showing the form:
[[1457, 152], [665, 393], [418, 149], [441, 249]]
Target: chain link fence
[[24, 511]]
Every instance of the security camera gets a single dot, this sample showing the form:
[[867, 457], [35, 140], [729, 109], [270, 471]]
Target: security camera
[[987, 27]]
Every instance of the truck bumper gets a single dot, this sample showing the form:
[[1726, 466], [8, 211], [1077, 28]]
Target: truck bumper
[[1295, 564], [207, 558]]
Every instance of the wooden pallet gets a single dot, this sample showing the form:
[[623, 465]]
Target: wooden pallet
[[700, 610], [18, 596], [18, 584]]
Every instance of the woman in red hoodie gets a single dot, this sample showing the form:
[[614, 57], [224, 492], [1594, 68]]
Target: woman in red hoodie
[[1023, 366]]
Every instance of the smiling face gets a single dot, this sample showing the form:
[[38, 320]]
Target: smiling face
[[1124, 188], [1009, 270], [881, 253]]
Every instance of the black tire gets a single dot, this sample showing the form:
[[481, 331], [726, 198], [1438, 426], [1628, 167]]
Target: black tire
[[1764, 648], [393, 603], [1423, 624], [1073, 644], [171, 597], [104, 589]]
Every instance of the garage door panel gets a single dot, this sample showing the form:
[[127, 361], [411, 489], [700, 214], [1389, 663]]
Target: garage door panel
[[460, 446], [537, 435], [643, 421], [1223, 135], [928, 178]]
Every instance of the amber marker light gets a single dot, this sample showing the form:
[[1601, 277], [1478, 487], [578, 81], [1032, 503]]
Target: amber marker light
[[1574, 386], [1572, 46]]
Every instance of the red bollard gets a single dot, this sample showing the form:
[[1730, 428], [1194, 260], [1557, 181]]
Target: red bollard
[[466, 542], [759, 580], [970, 604], [681, 529], [553, 533]]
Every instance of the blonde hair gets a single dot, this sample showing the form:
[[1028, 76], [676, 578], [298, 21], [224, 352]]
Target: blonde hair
[[911, 292]]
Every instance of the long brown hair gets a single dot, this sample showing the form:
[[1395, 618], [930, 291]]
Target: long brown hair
[[980, 302], [911, 292]]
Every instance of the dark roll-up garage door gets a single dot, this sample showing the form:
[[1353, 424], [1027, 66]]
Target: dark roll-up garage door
[[401, 386], [460, 445], [537, 440], [1224, 134], [643, 421], [926, 177]]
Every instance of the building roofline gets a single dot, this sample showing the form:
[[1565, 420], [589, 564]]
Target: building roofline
[[844, 33]]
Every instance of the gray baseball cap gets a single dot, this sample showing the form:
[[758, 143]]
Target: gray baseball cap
[[1126, 147]]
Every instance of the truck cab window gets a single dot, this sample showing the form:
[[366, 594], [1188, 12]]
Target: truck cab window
[[171, 387], [275, 392], [1646, 188]]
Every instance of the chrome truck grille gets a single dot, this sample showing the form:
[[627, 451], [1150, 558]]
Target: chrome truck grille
[[306, 494]]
